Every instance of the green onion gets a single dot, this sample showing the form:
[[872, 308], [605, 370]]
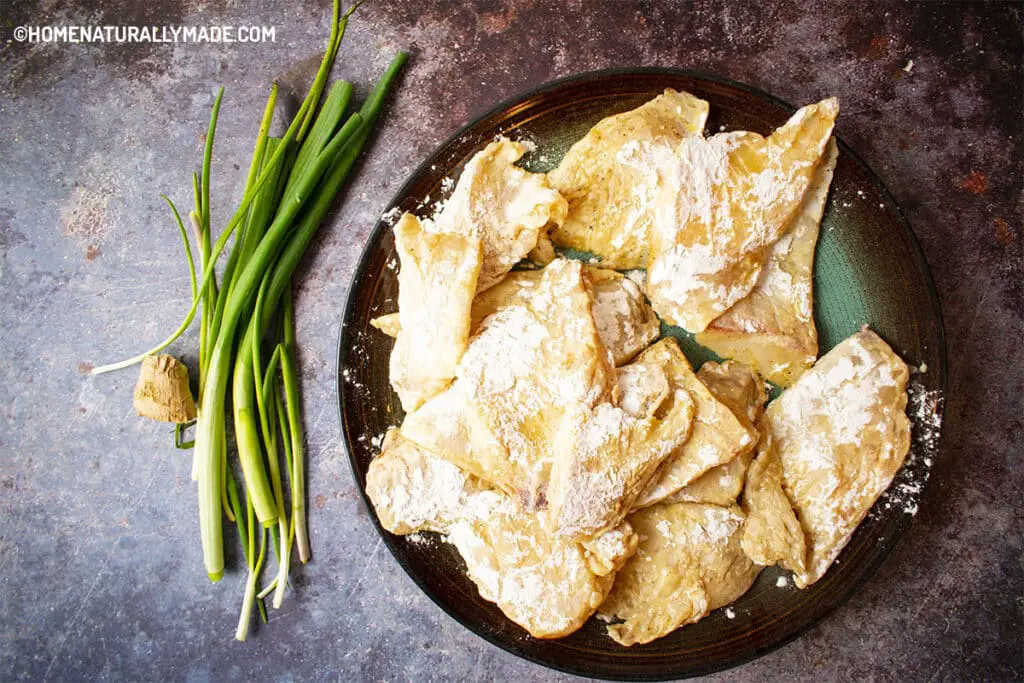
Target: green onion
[[294, 449], [246, 530], [325, 125], [218, 247], [289, 259], [290, 186], [263, 208], [209, 289], [213, 398], [284, 556], [184, 239], [250, 232], [179, 433], [212, 403]]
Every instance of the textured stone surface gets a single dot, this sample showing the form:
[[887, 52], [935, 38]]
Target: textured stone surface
[[101, 571]]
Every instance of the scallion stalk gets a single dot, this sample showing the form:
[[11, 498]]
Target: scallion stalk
[[291, 184], [185, 242], [296, 449], [218, 247], [245, 236], [320, 134]]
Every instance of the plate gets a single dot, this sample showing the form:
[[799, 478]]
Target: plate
[[869, 269]]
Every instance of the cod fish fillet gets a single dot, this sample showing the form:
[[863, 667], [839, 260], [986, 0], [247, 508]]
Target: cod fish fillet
[[547, 584], [841, 433], [722, 202], [772, 328], [717, 435], [414, 490], [529, 368], [738, 387], [436, 284], [504, 206], [606, 459], [609, 214], [688, 562]]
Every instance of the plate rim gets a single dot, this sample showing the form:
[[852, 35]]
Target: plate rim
[[362, 265]]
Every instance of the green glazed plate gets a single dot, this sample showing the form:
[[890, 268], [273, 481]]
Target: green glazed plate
[[869, 269]]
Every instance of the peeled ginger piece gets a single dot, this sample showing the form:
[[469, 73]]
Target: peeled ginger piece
[[162, 392]]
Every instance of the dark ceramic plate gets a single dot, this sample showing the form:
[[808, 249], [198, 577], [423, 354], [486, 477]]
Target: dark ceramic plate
[[869, 269]]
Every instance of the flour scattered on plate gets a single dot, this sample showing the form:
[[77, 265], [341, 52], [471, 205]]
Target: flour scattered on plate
[[391, 216], [924, 407], [421, 539]]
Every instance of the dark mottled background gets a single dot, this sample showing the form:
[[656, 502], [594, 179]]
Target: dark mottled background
[[100, 572]]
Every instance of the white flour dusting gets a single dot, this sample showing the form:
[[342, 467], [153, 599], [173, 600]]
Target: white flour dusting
[[422, 540], [503, 351], [391, 216], [924, 407], [715, 529]]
